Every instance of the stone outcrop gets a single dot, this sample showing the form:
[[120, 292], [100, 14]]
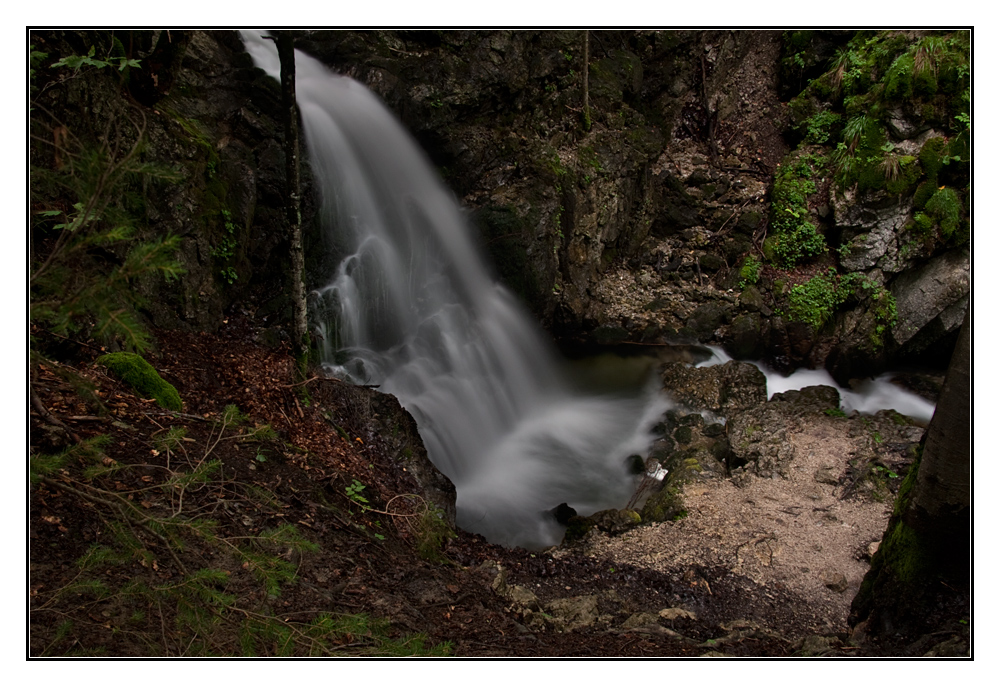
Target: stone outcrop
[[724, 389], [759, 437], [931, 300], [634, 225], [212, 140]]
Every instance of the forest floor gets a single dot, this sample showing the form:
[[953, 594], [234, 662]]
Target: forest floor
[[202, 533]]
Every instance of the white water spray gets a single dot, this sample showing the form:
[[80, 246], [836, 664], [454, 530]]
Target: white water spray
[[411, 308], [870, 396]]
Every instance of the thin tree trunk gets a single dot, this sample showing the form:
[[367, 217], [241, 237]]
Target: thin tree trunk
[[300, 335], [586, 80]]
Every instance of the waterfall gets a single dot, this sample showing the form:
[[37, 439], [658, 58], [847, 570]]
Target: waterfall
[[411, 308]]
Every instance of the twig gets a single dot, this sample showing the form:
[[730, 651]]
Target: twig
[[403, 52], [175, 414], [289, 386], [748, 200], [36, 401], [66, 338]]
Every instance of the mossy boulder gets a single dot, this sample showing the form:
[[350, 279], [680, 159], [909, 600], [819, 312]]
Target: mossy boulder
[[133, 369], [666, 504], [612, 521]]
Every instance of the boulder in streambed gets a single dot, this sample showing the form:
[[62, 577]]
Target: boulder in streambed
[[725, 389], [758, 436], [613, 521]]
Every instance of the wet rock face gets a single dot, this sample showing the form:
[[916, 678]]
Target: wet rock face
[[399, 429], [214, 123], [875, 232], [637, 228], [931, 300], [558, 203], [723, 389]]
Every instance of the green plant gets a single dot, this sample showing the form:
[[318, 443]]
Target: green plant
[[176, 582], [814, 301], [35, 58], [835, 412], [75, 62], [801, 242], [589, 157], [821, 126], [133, 369], [87, 258], [225, 250], [432, 531], [749, 272], [932, 156], [945, 207], [797, 238], [859, 157], [880, 470], [354, 490]]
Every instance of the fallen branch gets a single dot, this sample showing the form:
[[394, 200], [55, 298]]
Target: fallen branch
[[289, 386], [36, 401]]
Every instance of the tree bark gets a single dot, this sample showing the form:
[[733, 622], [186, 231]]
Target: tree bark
[[300, 334], [922, 567], [586, 80], [943, 483]]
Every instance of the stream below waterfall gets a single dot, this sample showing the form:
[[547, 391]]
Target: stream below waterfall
[[868, 397], [410, 307]]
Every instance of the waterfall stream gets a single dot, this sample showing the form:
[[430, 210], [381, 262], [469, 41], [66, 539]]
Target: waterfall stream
[[869, 397], [411, 308]]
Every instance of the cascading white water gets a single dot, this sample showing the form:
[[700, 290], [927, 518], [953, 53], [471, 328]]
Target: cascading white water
[[871, 396], [413, 310]]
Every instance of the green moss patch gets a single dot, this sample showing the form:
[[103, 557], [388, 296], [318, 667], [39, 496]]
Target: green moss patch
[[133, 369], [945, 207], [797, 238], [815, 301]]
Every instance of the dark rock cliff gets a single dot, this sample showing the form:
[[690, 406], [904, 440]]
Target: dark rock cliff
[[659, 215]]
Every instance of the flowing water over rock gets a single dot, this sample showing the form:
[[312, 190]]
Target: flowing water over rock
[[870, 396], [412, 308]]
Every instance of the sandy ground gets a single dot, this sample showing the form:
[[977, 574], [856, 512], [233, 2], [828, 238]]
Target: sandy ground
[[794, 534]]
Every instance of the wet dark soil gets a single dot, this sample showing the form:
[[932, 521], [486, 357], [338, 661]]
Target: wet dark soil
[[366, 561]]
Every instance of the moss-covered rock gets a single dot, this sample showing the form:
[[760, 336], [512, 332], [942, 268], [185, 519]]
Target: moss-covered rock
[[946, 208], [133, 369], [666, 504]]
